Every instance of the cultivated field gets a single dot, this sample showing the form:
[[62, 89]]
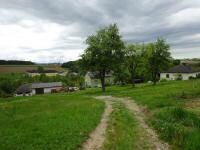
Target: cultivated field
[[23, 68]]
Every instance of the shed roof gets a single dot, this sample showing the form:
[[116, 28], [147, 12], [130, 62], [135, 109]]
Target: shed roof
[[46, 85], [182, 68], [26, 88]]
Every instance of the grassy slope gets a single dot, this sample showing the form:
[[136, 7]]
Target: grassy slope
[[61, 121], [48, 122], [166, 111], [124, 132]]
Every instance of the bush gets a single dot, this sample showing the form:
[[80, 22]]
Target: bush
[[198, 76], [163, 80], [7, 86], [3, 94], [179, 127], [191, 78]]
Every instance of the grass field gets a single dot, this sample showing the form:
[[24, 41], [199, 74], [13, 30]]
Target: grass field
[[63, 121], [4, 69], [57, 121], [168, 107]]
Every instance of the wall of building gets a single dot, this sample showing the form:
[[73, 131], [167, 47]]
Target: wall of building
[[47, 74], [33, 74], [174, 76], [33, 92], [47, 90], [97, 82], [27, 94], [88, 81], [51, 74]]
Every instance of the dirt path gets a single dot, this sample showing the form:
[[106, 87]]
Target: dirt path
[[97, 137], [139, 115]]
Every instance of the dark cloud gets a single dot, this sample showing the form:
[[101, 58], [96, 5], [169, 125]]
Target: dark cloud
[[138, 20]]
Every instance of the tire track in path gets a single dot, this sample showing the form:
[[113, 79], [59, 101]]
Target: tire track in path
[[140, 116]]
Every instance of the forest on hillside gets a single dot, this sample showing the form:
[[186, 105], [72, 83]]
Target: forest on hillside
[[16, 62]]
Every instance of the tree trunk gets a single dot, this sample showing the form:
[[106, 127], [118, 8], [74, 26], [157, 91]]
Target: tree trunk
[[103, 87], [132, 70], [102, 77], [133, 79], [154, 78]]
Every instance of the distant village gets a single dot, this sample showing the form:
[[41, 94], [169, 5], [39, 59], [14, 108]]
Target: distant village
[[182, 71]]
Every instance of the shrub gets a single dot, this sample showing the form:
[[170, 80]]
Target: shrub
[[198, 76], [191, 78], [3, 94], [163, 80], [7, 86], [179, 127]]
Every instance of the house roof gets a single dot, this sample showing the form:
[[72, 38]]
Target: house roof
[[182, 68], [96, 74], [44, 71], [46, 85], [25, 88]]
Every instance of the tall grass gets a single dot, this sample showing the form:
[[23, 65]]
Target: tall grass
[[165, 103], [179, 127]]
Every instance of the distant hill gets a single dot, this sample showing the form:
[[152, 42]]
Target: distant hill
[[190, 61], [74, 66], [16, 62], [71, 65]]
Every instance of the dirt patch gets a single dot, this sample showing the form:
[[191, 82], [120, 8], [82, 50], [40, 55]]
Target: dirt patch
[[139, 115], [193, 103], [97, 137]]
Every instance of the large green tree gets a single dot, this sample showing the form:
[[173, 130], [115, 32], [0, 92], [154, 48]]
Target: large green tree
[[133, 57], [104, 51], [158, 56]]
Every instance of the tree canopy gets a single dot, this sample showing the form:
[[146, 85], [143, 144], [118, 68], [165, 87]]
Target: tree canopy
[[133, 58], [104, 51], [158, 57]]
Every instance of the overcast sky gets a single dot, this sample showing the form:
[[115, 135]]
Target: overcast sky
[[55, 30]]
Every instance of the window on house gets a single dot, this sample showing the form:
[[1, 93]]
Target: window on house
[[167, 75]]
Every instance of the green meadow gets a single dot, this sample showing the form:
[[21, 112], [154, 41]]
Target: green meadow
[[172, 109], [64, 121], [58, 121]]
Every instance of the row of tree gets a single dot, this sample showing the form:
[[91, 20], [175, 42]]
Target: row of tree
[[106, 52], [15, 62]]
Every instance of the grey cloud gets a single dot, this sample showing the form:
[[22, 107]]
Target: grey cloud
[[139, 20]]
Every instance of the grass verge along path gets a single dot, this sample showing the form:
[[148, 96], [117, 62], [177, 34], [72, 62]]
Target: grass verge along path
[[97, 137]]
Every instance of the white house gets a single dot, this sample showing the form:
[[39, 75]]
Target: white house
[[92, 79], [38, 88], [182, 72]]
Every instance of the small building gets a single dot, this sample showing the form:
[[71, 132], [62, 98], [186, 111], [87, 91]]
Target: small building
[[180, 72], [92, 79], [38, 88], [49, 73]]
